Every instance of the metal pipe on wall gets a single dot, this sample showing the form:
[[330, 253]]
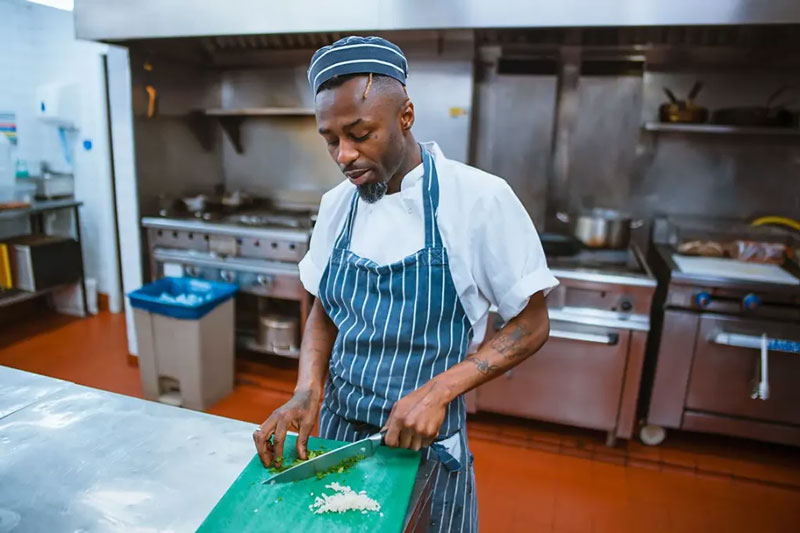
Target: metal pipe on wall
[[564, 125]]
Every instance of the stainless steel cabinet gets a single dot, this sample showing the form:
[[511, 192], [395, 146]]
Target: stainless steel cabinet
[[576, 378], [723, 375]]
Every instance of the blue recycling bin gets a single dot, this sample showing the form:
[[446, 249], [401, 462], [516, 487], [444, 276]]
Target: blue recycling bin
[[184, 298], [186, 337]]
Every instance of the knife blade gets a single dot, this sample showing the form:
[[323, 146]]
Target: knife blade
[[321, 463]]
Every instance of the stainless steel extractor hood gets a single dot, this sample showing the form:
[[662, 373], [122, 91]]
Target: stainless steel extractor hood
[[120, 20]]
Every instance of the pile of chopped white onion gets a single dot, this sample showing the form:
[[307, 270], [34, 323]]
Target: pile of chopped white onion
[[343, 499]]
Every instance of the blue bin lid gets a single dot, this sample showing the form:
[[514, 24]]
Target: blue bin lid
[[184, 298]]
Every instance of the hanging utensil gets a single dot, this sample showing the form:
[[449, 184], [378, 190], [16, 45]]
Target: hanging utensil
[[152, 92], [696, 88], [671, 96], [683, 111]]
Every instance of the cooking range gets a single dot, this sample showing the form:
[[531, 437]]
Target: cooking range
[[258, 248], [588, 373], [726, 336]]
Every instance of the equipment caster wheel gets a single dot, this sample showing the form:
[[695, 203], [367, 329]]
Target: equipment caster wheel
[[652, 435]]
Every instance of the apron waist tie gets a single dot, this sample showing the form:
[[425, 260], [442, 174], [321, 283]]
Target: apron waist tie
[[450, 452]]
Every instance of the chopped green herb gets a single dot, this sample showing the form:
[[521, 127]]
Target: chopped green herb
[[278, 468], [347, 464]]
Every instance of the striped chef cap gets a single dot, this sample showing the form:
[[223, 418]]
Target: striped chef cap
[[357, 55]]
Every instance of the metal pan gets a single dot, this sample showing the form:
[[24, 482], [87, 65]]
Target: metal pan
[[602, 228]]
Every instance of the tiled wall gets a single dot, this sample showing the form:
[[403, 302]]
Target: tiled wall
[[38, 47]]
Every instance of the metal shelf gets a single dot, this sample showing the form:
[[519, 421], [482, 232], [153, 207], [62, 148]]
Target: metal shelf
[[15, 296], [231, 121], [261, 112], [248, 342], [34, 213], [38, 207], [717, 129]]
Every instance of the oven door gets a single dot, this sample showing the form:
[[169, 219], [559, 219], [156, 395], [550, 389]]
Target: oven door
[[256, 276], [576, 378], [726, 369]]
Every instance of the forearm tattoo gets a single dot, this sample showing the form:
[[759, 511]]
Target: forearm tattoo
[[484, 367], [510, 342]]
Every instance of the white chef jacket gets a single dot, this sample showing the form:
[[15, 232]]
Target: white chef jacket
[[496, 257]]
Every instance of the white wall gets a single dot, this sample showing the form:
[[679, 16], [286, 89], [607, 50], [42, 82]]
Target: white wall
[[119, 94], [39, 47]]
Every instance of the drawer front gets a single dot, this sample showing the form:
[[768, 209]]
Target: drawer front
[[576, 378], [724, 371]]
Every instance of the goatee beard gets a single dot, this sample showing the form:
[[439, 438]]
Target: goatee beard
[[372, 192]]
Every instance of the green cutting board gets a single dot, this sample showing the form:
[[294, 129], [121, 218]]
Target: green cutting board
[[251, 505]]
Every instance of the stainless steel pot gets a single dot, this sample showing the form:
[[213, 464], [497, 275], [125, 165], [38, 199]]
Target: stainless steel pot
[[278, 334], [602, 228]]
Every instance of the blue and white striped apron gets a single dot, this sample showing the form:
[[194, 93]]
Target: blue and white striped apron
[[399, 326]]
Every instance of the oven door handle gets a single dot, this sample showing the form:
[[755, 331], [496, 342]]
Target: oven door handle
[[608, 339], [239, 264], [760, 389], [739, 340]]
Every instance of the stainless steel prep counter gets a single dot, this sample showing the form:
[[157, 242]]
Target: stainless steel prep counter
[[78, 459], [20, 389]]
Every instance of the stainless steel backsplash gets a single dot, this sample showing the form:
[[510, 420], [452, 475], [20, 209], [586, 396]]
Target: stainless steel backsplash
[[608, 160], [287, 158]]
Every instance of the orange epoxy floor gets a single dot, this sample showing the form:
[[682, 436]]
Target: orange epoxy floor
[[531, 477]]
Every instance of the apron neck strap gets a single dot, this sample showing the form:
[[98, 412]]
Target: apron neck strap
[[430, 199], [430, 205], [347, 231]]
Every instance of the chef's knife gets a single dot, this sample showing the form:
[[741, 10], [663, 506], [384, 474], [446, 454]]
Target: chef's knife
[[321, 463]]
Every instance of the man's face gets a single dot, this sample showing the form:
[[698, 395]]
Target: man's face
[[364, 135]]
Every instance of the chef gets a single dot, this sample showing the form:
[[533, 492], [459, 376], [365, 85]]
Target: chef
[[407, 257]]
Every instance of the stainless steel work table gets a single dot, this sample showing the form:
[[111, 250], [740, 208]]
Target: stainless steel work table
[[20, 389], [73, 458]]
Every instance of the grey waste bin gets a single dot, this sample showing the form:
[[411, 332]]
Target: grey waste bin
[[185, 333]]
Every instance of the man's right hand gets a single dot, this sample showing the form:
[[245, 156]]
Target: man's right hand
[[300, 414]]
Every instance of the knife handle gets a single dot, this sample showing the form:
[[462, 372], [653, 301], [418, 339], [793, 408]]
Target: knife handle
[[378, 438]]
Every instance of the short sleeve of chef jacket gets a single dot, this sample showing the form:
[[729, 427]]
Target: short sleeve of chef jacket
[[333, 210], [496, 257], [508, 263]]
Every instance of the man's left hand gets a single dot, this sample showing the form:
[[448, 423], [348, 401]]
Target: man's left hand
[[416, 418]]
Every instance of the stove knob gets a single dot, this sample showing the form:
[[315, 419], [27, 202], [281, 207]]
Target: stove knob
[[751, 302], [702, 299], [227, 275], [191, 271], [264, 281]]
